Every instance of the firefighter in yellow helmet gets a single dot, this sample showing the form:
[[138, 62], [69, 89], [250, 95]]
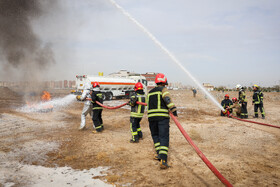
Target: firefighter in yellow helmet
[[137, 112], [258, 101], [159, 105], [243, 101]]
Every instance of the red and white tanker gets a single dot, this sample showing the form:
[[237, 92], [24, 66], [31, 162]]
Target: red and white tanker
[[112, 86]]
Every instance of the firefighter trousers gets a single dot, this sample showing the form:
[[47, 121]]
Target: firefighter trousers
[[260, 106], [86, 110], [160, 134], [97, 119], [135, 128], [244, 112]]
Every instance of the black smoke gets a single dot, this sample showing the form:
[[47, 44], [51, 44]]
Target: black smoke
[[20, 47]]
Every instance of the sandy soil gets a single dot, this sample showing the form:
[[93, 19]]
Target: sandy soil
[[246, 154]]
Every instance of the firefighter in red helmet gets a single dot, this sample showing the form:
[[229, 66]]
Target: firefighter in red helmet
[[225, 104], [159, 105], [137, 112], [235, 107], [97, 109]]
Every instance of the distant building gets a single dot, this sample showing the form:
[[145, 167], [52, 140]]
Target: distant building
[[150, 77], [208, 86]]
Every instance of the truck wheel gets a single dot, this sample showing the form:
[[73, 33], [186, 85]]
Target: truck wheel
[[109, 96], [104, 96]]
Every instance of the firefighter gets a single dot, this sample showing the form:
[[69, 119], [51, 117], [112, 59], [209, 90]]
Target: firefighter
[[194, 92], [225, 104], [235, 107], [243, 101], [159, 105], [87, 104], [97, 109], [137, 112], [258, 101]]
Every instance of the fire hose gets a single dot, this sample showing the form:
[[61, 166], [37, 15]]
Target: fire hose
[[230, 115], [111, 107], [199, 153], [108, 107]]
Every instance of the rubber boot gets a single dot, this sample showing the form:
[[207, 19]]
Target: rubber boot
[[134, 141], [163, 164], [140, 134], [156, 157]]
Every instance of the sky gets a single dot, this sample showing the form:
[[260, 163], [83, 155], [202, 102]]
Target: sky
[[220, 42]]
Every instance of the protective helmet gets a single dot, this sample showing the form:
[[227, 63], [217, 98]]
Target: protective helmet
[[234, 99], [227, 95], [95, 84], [238, 86], [138, 86], [160, 78], [256, 86]]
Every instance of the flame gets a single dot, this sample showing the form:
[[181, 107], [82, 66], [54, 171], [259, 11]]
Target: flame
[[46, 96], [34, 104]]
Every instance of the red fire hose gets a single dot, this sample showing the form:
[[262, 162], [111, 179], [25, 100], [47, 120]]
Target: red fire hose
[[199, 153], [230, 115], [111, 107]]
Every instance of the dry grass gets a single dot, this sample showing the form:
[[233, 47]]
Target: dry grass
[[113, 178], [195, 135]]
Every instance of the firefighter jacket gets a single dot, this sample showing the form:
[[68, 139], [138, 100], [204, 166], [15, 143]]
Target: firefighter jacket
[[96, 96], [85, 95], [159, 102], [137, 111], [237, 106], [242, 96], [258, 97], [226, 102]]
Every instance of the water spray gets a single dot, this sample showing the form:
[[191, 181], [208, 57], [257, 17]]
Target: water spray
[[173, 58], [57, 104]]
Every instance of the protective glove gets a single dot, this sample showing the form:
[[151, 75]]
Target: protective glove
[[175, 113], [78, 97]]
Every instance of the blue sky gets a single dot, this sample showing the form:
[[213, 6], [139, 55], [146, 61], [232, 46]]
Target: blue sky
[[221, 42]]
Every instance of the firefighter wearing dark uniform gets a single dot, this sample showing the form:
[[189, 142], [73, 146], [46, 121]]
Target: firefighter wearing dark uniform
[[226, 103], [137, 112], [243, 101], [258, 101], [97, 109], [159, 105]]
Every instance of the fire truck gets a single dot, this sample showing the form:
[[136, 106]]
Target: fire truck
[[112, 85]]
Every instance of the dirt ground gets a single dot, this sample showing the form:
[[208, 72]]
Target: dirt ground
[[246, 154]]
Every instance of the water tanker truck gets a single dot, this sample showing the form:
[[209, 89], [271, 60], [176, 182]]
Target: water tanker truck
[[111, 86]]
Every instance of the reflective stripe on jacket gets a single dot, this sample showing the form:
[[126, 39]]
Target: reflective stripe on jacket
[[242, 96], [257, 97], [137, 111], [96, 96], [159, 101], [226, 102]]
